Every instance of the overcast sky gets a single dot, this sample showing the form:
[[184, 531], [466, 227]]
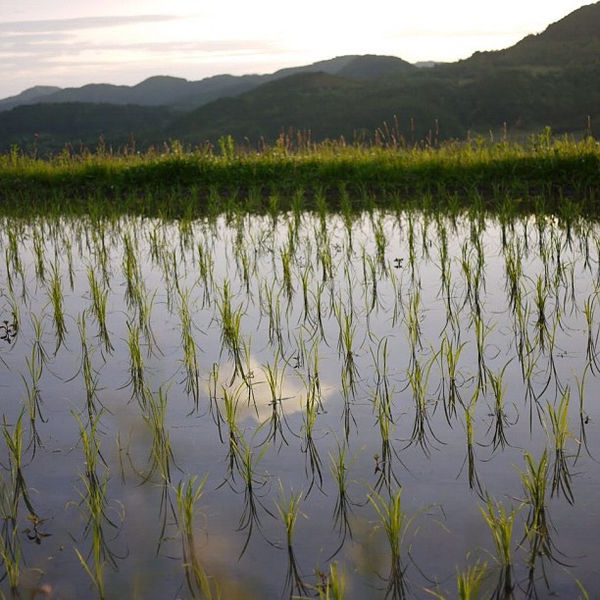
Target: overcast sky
[[74, 42]]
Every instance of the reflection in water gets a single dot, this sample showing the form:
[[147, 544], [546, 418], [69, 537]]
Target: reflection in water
[[253, 349]]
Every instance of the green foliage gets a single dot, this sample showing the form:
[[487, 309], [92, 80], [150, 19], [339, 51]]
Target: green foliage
[[188, 183]]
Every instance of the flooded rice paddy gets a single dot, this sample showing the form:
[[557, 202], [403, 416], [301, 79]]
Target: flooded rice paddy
[[382, 405]]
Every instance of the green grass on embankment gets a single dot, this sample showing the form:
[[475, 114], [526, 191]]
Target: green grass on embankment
[[560, 176]]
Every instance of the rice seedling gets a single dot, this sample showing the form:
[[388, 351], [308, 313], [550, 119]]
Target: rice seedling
[[285, 255], [589, 307], [230, 329], [230, 417], [418, 378], [312, 404], [583, 416], [275, 373], [14, 264], [188, 344], [343, 504], [99, 296], [160, 456], [55, 296], [33, 396], [90, 377], [254, 488], [347, 331], [473, 478], [537, 524], [468, 581], [200, 584], [395, 523], [38, 251], [131, 270], [449, 357], [500, 417], [94, 508], [559, 424], [10, 552], [513, 264], [481, 332], [14, 446], [288, 510], [331, 585], [384, 460], [500, 523], [412, 320], [136, 363]]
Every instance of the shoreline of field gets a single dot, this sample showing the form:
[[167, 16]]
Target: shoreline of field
[[547, 175]]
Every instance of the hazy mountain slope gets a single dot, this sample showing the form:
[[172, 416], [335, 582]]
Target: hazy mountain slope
[[28, 96], [183, 94]]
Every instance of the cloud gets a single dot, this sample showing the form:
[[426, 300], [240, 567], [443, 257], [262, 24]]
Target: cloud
[[53, 50], [440, 34], [49, 25]]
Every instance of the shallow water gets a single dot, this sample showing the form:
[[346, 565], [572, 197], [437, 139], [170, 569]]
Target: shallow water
[[373, 309]]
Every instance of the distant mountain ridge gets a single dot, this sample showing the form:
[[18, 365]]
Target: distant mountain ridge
[[180, 93], [551, 78]]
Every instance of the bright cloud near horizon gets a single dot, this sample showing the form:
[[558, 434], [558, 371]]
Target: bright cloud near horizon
[[70, 43]]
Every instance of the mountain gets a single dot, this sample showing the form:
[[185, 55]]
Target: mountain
[[573, 41], [547, 79], [552, 78], [185, 95], [28, 96], [317, 104]]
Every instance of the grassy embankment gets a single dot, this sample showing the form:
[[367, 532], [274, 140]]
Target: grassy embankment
[[544, 175]]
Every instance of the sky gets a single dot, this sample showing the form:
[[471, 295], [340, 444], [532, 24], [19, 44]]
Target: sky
[[73, 42]]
